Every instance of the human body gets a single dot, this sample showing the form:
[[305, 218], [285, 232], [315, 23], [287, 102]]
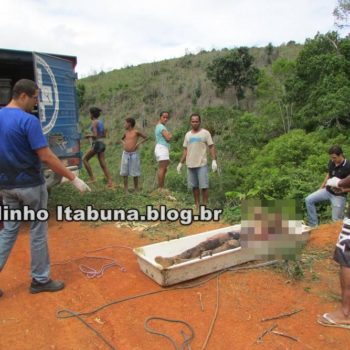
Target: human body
[[22, 149], [196, 143], [161, 151], [98, 146], [339, 167], [212, 245], [130, 163]]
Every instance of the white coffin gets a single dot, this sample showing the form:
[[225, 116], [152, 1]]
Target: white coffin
[[194, 267]]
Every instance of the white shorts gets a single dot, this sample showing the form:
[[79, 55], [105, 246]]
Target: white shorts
[[161, 152]]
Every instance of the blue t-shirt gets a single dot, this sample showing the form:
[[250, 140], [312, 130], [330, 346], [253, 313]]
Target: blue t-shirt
[[100, 128], [20, 136], [159, 136]]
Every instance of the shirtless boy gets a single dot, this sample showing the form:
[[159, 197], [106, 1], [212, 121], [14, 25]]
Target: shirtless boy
[[130, 164]]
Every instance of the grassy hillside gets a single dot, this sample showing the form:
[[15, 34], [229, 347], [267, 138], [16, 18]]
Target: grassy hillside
[[178, 85], [257, 155]]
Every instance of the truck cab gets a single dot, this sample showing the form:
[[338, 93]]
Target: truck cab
[[57, 106]]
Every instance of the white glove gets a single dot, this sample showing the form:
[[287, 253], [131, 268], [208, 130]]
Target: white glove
[[80, 184], [333, 182], [178, 168], [214, 165]]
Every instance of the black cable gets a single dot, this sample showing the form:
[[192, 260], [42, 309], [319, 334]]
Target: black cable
[[183, 344], [70, 313]]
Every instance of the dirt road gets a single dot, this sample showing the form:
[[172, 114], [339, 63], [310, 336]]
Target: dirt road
[[29, 321]]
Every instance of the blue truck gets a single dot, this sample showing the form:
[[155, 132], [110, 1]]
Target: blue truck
[[57, 107]]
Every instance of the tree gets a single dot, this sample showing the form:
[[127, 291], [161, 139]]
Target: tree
[[320, 89], [272, 92], [341, 13], [234, 69], [269, 51], [291, 165], [81, 94]]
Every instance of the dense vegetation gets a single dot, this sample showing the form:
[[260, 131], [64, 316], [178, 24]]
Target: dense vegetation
[[272, 123]]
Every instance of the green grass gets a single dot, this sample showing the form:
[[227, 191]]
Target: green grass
[[102, 197], [302, 267]]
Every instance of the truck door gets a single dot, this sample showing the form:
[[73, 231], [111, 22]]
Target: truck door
[[57, 107]]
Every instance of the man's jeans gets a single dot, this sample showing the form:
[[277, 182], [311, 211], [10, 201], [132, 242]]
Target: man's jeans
[[338, 204], [35, 198]]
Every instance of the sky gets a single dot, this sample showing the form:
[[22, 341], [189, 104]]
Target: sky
[[111, 34]]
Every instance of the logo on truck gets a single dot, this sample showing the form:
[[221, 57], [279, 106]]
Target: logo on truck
[[49, 98]]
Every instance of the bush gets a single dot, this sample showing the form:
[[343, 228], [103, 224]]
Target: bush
[[290, 166]]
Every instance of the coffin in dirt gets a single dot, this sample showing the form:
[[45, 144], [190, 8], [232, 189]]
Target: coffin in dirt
[[199, 266]]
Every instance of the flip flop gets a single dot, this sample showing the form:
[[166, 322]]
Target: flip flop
[[327, 321]]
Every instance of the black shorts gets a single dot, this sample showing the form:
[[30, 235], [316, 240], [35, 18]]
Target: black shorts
[[98, 146], [342, 250]]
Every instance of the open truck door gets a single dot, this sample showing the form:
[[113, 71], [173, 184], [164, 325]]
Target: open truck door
[[57, 107], [58, 110]]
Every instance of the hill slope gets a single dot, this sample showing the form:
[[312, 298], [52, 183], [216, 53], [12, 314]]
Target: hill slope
[[178, 85]]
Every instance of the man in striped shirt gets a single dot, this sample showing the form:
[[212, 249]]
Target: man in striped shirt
[[341, 317]]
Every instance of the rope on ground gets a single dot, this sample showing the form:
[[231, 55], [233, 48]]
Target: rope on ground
[[74, 314], [187, 339], [91, 272], [215, 314], [66, 313]]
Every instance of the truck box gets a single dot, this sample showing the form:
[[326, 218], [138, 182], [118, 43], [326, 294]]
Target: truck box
[[57, 105]]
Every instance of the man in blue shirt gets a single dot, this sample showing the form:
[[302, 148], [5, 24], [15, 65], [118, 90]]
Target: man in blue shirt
[[22, 149]]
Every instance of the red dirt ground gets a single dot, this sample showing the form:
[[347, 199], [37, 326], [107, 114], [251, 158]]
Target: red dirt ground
[[29, 321]]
